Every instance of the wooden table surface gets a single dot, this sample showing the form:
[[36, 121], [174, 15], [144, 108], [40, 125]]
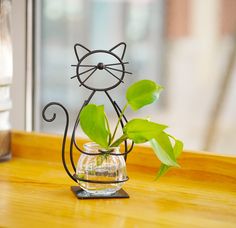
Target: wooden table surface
[[35, 191]]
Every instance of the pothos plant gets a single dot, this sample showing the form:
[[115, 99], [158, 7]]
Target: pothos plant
[[94, 123]]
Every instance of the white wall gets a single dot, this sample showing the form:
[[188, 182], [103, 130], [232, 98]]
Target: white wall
[[19, 64]]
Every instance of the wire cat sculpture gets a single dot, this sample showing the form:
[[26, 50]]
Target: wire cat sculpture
[[84, 72]]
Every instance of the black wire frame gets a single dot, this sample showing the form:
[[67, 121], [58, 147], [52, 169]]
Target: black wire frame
[[100, 89], [73, 142], [107, 67]]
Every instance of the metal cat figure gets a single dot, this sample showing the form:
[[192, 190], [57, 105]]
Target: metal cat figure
[[82, 71]]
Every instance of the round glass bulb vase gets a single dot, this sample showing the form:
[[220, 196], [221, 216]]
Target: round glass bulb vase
[[104, 174]]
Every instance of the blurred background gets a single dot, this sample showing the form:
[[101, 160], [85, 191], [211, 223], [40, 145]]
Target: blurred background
[[188, 46]]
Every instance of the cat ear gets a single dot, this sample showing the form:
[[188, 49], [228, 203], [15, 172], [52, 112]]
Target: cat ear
[[79, 48], [119, 48]]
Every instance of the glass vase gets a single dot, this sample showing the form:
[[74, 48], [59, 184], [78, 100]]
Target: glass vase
[[109, 171]]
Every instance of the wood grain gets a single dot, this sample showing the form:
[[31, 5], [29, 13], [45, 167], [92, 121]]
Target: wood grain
[[35, 191]]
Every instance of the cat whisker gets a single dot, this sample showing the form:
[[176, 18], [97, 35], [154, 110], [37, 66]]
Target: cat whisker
[[73, 76], [83, 72], [113, 64], [74, 65], [113, 75], [119, 70], [88, 77]]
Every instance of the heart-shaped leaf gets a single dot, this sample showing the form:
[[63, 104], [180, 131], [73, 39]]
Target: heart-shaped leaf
[[163, 149], [94, 124], [142, 130], [142, 93], [178, 148]]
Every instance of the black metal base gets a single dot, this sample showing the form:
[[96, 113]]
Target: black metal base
[[81, 194]]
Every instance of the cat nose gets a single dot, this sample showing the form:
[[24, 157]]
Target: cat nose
[[101, 66]]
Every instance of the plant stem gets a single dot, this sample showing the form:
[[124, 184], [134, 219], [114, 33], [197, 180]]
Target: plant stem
[[108, 128], [119, 141], [120, 117]]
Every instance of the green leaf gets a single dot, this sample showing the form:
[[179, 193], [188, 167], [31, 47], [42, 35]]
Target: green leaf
[[141, 130], [142, 93], [162, 171], [163, 149], [93, 123], [178, 148]]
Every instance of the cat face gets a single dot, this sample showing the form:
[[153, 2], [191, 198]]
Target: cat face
[[103, 67]]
